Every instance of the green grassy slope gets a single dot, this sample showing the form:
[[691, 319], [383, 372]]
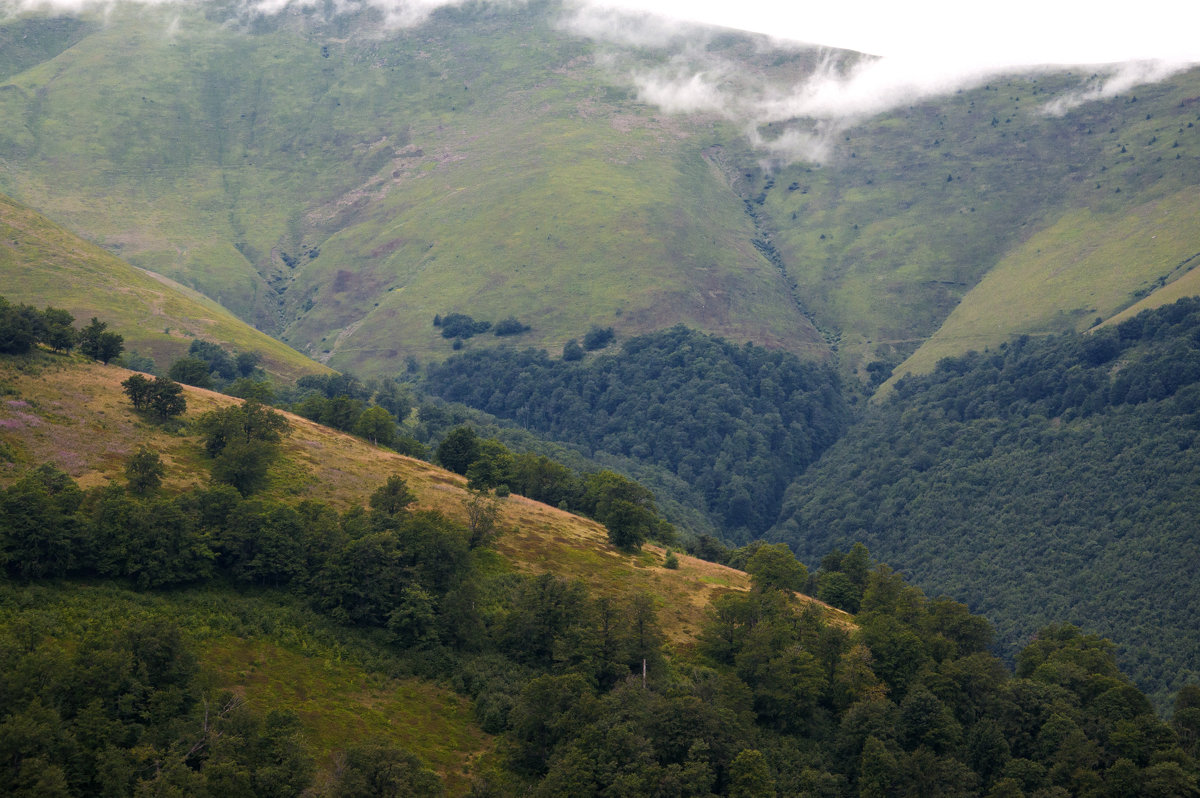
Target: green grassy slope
[[339, 184], [1086, 266], [43, 264], [361, 182], [984, 198]]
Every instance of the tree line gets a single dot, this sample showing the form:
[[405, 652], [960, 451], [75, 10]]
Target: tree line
[[626, 508], [24, 326]]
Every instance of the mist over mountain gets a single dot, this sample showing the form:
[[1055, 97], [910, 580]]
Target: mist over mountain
[[340, 176]]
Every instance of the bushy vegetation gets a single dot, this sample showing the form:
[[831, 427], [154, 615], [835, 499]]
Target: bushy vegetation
[[1047, 479], [373, 411], [736, 423], [161, 396], [123, 710], [24, 326], [209, 365], [510, 326], [460, 325], [776, 700], [242, 440]]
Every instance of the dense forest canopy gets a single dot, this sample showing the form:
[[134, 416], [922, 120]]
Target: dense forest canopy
[[1051, 478], [737, 423]]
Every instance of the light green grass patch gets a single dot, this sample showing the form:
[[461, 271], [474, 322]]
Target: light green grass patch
[[1083, 267]]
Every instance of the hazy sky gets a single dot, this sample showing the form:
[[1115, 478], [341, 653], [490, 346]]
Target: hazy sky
[[963, 34]]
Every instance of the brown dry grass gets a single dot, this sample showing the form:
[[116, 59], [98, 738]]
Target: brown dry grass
[[74, 415]]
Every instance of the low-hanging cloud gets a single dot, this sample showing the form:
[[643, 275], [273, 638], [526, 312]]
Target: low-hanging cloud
[[629, 28], [1116, 80], [801, 119], [394, 13], [843, 89]]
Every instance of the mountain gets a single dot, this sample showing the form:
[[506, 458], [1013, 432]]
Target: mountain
[[1004, 261], [364, 182], [44, 264], [339, 183]]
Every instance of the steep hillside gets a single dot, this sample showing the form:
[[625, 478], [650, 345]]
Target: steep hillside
[[1034, 221], [1082, 269], [366, 180], [345, 686], [492, 162], [190, 638], [43, 264]]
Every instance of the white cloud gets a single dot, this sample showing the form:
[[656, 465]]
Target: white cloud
[[1118, 80], [682, 93], [632, 28], [960, 35], [923, 49]]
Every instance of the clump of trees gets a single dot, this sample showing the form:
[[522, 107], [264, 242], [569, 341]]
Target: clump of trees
[[626, 508], [510, 326], [209, 365], [24, 326], [572, 351], [460, 326], [242, 440], [598, 338], [369, 410], [161, 396], [100, 343]]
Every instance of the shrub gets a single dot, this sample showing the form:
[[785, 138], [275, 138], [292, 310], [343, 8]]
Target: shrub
[[510, 326], [460, 325], [598, 338], [572, 351]]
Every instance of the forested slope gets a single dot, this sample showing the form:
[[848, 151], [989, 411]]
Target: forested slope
[[734, 423], [1049, 478]]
